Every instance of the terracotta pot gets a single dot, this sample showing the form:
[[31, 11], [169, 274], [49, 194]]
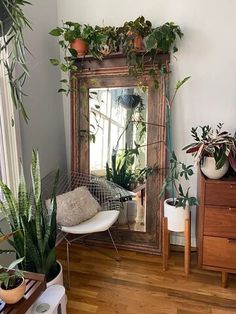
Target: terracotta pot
[[208, 168], [176, 216], [14, 295], [80, 46], [138, 42]]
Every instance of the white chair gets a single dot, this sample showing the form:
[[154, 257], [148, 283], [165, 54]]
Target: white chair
[[108, 194], [101, 222]]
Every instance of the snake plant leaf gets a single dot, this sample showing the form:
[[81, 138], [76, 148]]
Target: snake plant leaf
[[23, 198], [11, 203], [35, 175], [50, 260]]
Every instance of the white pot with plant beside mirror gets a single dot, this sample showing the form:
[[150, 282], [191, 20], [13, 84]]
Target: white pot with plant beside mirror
[[13, 284], [177, 207], [213, 149]]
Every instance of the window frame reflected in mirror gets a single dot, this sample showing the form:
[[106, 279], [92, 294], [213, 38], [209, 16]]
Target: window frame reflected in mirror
[[120, 156]]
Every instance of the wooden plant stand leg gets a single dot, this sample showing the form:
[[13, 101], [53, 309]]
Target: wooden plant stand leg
[[168, 245], [187, 247], [165, 243], [224, 279]]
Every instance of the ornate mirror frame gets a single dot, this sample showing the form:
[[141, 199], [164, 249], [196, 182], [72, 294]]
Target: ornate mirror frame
[[112, 71]]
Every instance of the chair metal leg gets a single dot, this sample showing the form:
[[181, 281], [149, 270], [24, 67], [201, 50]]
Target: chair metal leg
[[118, 258], [68, 262]]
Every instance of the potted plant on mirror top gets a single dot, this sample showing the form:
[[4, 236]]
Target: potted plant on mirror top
[[36, 227], [177, 207], [213, 149], [13, 284]]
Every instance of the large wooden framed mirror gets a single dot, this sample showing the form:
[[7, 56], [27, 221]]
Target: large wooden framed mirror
[[118, 132]]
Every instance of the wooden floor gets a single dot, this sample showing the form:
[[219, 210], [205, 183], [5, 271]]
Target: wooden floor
[[137, 284]]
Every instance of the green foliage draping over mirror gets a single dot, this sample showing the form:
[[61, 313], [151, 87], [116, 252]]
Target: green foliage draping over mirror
[[12, 48], [138, 40]]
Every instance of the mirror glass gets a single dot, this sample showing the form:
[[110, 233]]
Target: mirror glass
[[118, 147]]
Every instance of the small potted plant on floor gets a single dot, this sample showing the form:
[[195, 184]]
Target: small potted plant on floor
[[177, 207], [213, 149], [13, 283]]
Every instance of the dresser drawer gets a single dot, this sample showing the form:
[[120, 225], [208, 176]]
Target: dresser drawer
[[219, 252], [220, 221], [220, 194]]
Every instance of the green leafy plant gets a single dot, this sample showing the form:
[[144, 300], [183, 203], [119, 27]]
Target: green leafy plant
[[163, 37], [11, 278], [67, 34], [213, 143], [106, 39], [138, 26], [122, 172], [12, 24], [36, 228], [178, 170]]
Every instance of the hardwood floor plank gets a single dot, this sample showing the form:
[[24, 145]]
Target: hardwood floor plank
[[137, 285]]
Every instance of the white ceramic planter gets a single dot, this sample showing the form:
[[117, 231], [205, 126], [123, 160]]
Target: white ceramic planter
[[131, 210], [208, 168], [123, 219], [176, 216], [58, 280]]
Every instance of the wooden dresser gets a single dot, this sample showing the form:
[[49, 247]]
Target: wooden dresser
[[216, 225]]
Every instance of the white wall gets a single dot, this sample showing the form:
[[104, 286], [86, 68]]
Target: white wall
[[45, 130], [207, 53]]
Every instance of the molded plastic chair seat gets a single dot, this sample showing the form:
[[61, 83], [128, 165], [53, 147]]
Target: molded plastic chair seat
[[102, 221]]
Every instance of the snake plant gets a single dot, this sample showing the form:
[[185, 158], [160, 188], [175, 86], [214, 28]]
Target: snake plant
[[36, 236]]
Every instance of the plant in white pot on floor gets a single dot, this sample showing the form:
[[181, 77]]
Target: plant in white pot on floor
[[213, 149], [36, 226], [177, 207], [13, 283]]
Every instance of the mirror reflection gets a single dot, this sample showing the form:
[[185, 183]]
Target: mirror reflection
[[118, 147]]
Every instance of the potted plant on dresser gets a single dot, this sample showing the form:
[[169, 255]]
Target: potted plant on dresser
[[33, 226], [213, 149], [177, 207], [13, 284]]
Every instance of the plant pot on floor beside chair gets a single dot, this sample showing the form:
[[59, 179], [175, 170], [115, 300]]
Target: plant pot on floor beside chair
[[208, 168]]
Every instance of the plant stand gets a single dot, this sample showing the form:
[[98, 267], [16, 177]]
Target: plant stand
[[166, 244]]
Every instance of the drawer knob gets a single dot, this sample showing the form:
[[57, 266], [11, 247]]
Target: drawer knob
[[231, 186], [230, 208]]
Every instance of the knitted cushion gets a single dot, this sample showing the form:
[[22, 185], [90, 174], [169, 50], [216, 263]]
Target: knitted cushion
[[75, 206]]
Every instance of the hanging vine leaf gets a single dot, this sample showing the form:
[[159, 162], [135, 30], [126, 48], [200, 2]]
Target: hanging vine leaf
[[12, 24]]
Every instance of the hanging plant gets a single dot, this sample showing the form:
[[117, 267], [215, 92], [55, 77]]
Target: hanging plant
[[5, 18], [12, 24]]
